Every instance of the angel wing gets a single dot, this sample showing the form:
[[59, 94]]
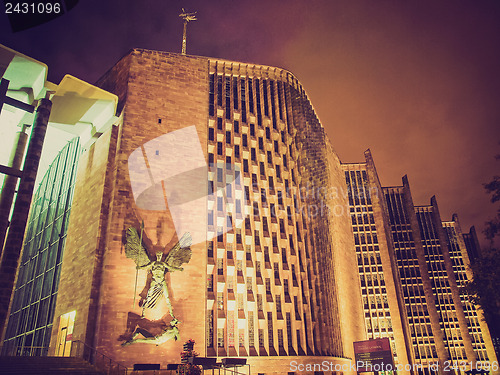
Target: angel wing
[[180, 253], [134, 249]]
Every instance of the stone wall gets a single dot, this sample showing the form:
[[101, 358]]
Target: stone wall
[[164, 93], [81, 260]]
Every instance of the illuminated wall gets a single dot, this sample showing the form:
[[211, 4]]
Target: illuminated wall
[[478, 331], [430, 270], [274, 286], [385, 314], [423, 320]]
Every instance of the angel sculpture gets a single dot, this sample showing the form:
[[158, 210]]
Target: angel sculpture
[[179, 254]]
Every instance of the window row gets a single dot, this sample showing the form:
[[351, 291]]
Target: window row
[[252, 95]]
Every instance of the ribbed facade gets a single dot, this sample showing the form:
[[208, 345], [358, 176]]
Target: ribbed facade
[[431, 271], [408, 249], [380, 284], [414, 279], [264, 277], [460, 259]]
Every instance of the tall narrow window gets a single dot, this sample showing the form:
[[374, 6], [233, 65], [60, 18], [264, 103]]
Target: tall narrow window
[[220, 301], [289, 329], [220, 337], [219, 90], [210, 283], [280, 101], [243, 101], [282, 227], [235, 92], [280, 338], [250, 95], [228, 97], [210, 329], [249, 280], [266, 103], [256, 238], [265, 226], [261, 338], [251, 329], [270, 329], [273, 104], [257, 96], [211, 95]]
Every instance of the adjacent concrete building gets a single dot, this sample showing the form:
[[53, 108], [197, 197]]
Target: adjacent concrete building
[[431, 272], [411, 268]]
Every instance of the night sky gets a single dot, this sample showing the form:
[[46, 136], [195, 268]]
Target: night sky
[[417, 82]]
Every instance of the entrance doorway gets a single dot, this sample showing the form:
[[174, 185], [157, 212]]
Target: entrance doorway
[[65, 334]]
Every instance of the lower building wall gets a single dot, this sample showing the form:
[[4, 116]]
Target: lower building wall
[[155, 84], [79, 260], [351, 316], [300, 365]]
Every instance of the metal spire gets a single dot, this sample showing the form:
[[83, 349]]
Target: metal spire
[[186, 16]]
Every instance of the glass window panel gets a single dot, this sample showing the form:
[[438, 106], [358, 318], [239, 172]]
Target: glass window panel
[[47, 283], [42, 313], [37, 288]]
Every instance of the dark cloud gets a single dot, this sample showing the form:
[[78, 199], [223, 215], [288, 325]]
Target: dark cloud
[[415, 81]]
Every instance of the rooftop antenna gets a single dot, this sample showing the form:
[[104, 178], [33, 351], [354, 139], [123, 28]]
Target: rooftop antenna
[[186, 16]]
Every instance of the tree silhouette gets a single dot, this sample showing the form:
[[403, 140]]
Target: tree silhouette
[[484, 288], [493, 226]]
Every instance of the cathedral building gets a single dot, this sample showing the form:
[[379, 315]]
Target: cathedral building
[[210, 206]]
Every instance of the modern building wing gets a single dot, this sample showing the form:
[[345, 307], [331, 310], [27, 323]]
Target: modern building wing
[[382, 294], [411, 268], [430, 280], [32, 311], [459, 254]]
